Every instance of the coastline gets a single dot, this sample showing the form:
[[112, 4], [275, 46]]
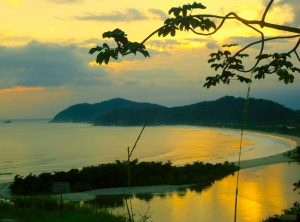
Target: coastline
[[273, 159], [92, 194], [263, 161], [244, 164]]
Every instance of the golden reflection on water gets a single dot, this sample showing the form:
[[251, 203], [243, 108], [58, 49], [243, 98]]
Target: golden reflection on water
[[188, 144], [263, 191]]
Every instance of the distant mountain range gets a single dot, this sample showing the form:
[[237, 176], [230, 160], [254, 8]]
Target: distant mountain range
[[226, 111]]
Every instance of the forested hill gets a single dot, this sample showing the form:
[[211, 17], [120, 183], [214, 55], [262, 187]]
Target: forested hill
[[89, 112], [226, 111]]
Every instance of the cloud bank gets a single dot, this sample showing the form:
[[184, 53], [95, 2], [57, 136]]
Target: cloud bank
[[127, 15], [41, 64]]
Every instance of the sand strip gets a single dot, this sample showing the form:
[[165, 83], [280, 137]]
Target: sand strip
[[277, 158], [90, 195]]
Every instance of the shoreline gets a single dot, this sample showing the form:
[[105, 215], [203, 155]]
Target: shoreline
[[273, 159], [92, 194], [264, 161], [244, 164]]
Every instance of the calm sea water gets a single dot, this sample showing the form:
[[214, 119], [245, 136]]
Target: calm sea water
[[38, 146]]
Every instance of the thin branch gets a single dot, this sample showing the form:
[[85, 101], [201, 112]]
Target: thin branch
[[233, 15], [265, 13], [256, 22], [129, 154], [297, 55], [129, 206], [275, 26], [245, 115], [268, 39], [137, 140], [261, 48], [217, 29], [245, 21], [128, 211], [295, 47], [153, 33], [262, 41]]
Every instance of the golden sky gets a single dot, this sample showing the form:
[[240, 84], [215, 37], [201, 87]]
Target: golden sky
[[63, 20], [44, 53]]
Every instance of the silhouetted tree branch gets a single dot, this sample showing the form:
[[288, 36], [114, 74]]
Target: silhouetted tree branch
[[230, 65]]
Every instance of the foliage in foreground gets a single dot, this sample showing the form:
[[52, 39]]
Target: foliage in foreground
[[293, 210], [295, 154], [46, 209], [115, 175], [228, 64]]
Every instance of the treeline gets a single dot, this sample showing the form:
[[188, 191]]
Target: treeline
[[294, 154], [113, 175], [279, 129], [293, 131]]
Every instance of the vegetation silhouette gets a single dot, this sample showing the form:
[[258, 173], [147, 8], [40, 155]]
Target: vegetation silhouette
[[145, 196], [109, 201], [46, 209], [228, 63], [115, 175]]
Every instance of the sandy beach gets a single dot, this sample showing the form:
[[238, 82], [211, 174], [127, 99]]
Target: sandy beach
[[277, 158]]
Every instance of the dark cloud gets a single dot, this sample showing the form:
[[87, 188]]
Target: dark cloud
[[89, 41], [161, 14], [130, 14], [132, 83], [65, 1], [212, 45], [38, 64], [295, 6]]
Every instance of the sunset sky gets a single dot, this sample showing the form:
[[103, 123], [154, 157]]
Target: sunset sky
[[45, 66]]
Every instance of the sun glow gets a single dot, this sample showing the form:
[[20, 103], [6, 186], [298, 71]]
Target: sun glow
[[20, 89], [15, 2]]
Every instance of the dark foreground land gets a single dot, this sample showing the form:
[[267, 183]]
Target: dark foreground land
[[114, 175], [37, 209]]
